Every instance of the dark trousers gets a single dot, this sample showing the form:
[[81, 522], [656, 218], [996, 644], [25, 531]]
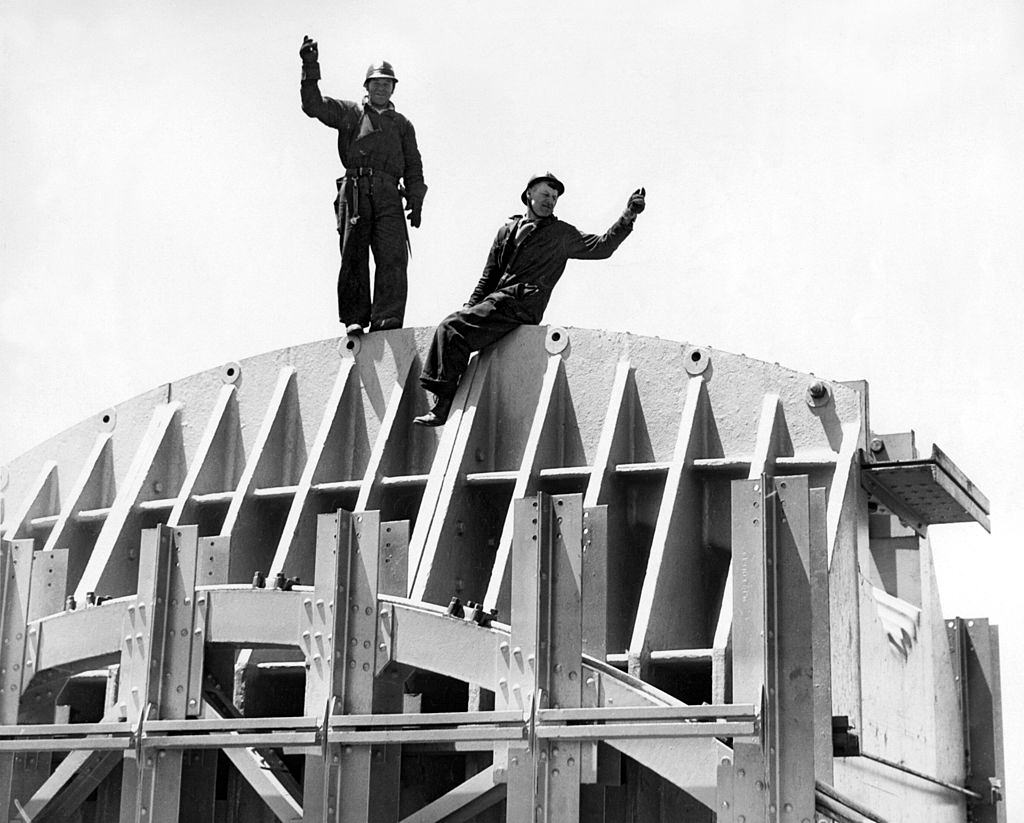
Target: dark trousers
[[380, 228], [459, 334]]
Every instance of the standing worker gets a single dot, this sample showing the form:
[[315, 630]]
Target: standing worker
[[525, 262], [377, 146]]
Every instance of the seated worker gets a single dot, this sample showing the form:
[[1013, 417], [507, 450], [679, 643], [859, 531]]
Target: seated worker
[[526, 260]]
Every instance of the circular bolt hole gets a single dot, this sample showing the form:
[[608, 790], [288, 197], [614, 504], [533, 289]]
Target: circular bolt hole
[[696, 361], [557, 340], [230, 372]]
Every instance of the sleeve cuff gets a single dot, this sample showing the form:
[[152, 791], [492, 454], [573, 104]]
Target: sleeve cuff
[[310, 71]]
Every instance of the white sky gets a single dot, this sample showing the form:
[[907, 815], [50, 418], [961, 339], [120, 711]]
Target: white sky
[[834, 186]]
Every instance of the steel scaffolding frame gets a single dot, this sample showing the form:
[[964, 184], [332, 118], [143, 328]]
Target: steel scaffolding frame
[[682, 580]]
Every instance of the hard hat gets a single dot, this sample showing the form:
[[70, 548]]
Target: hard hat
[[547, 177], [380, 71]]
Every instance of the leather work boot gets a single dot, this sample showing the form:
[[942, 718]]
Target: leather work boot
[[437, 415], [353, 328]]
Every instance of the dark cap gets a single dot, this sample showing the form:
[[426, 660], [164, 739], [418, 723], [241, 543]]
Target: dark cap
[[547, 177], [380, 71]]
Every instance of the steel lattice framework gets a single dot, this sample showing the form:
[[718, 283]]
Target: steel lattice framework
[[630, 580]]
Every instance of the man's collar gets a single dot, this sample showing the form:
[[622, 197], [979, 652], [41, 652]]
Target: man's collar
[[526, 218], [366, 105]]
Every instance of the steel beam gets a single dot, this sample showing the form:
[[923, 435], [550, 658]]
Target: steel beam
[[160, 637], [339, 636], [111, 568], [251, 546], [749, 635], [33, 584], [773, 648], [544, 661], [463, 802], [974, 644], [791, 698]]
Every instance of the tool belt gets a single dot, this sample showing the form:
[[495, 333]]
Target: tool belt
[[374, 174], [348, 191]]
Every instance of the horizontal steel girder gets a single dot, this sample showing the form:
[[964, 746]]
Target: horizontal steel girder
[[639, 717]]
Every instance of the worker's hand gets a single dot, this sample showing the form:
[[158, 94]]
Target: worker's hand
[[308, 51], [415, 213], [637, 202]]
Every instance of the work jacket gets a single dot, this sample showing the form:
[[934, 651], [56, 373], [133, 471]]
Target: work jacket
[[520, 276], [388, 143]]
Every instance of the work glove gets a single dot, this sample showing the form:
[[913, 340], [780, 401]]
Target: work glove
[[415, 210], [308, 51], [637, 202]]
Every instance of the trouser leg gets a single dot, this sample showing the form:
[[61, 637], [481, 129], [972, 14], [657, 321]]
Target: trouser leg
[[354, 274], [390, 258], [458, 335]]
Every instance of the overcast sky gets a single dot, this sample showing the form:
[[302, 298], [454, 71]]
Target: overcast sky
[[834, 186]]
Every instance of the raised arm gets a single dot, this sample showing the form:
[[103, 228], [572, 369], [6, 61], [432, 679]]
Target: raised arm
[[600, 246], [314, 104]]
